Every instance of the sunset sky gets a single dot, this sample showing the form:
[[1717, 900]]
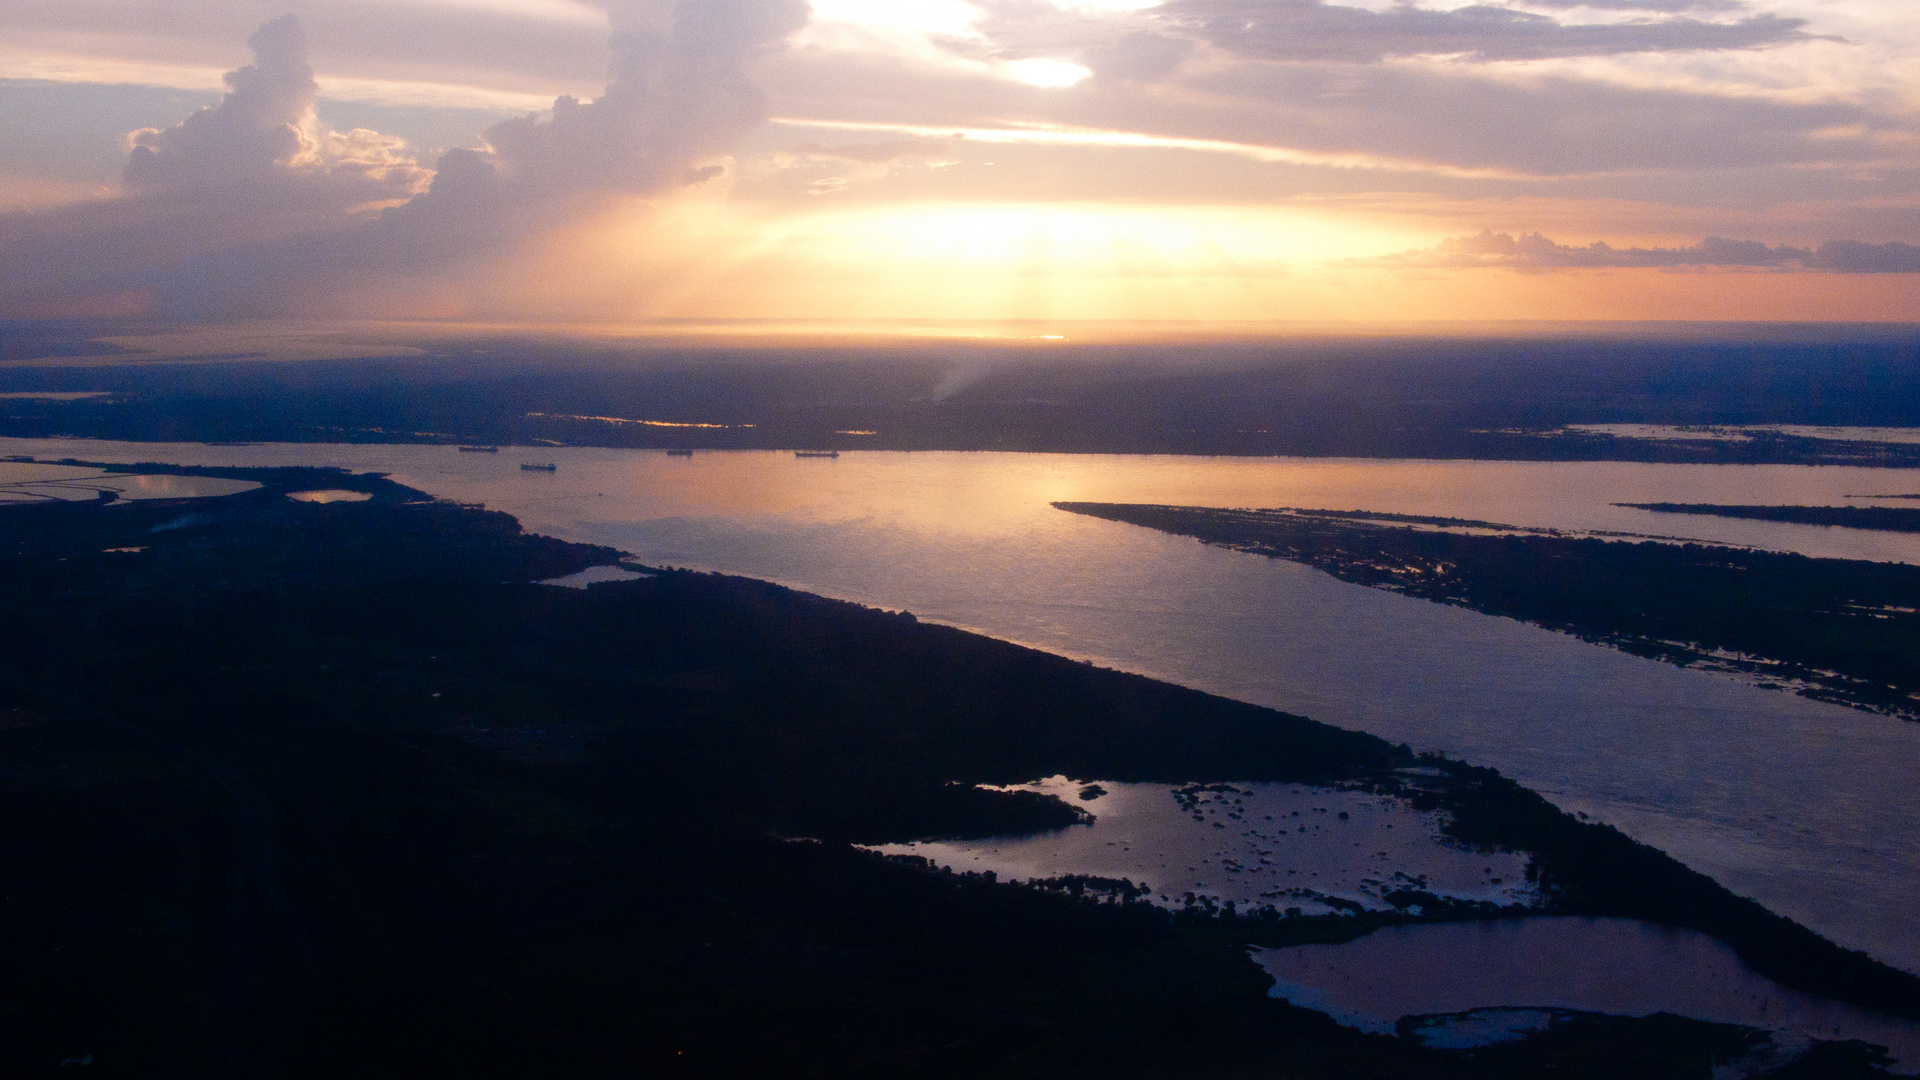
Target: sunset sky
[[1221, 161]]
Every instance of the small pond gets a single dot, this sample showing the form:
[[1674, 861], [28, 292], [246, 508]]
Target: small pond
[[329, 495], [594, 575]]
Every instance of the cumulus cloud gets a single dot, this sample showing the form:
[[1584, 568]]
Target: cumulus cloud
[[254, 168], [677, 95], [677, 90], [1316, 30], [1533, 251], [250, 205]]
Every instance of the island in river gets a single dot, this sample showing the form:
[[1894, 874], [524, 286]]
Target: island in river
[[338, 787], [1886, 518], [1838, 630]]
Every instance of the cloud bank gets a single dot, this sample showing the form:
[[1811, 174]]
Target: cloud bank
[[251, 206], [1533, 251], [1394, 120], [1315, 30]]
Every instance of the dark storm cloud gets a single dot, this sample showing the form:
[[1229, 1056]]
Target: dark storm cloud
[[1533, 251], [1314, 30]]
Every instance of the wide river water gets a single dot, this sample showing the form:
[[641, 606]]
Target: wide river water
[[1813, 809]]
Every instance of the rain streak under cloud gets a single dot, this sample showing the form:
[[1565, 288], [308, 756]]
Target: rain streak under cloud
[[1201, 159]]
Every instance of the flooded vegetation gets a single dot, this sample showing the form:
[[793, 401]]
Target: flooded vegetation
[[635, 814], [1296, 850]]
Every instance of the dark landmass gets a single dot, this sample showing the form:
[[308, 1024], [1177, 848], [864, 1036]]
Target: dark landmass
[[333, 789], [1885, 518], [1837, 630], [1491, 397], [1409, 519]]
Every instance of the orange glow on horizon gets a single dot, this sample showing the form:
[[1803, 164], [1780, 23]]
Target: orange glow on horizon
[[918, 266]]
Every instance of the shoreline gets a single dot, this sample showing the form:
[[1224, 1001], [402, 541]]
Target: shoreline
[[1583, 865]]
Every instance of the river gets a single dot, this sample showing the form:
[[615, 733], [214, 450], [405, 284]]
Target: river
[[1810, 808]]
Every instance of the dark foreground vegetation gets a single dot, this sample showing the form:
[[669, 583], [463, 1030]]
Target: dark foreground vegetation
[[323, 790], [1838, 630], [1504, 394], [1885, 518]]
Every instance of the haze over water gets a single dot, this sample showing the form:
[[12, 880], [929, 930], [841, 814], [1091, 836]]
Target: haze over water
[[1808, 807]]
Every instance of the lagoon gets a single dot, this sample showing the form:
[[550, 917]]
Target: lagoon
[[1296, 848], [1511, 976], [27, 484]]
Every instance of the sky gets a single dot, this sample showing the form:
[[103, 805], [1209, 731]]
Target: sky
[[1208, 162]]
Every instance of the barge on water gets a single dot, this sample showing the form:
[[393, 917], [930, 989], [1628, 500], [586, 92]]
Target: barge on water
[[479, 449]]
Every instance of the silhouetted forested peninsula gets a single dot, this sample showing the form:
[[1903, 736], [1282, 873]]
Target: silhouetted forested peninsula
[[1886, 518], [1834, 629], [335, 789]]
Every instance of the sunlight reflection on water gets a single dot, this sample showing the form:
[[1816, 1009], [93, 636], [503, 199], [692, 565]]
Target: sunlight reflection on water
[[1808, 807]]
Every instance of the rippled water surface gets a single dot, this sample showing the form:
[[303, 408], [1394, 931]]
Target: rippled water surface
[[1810, 808]]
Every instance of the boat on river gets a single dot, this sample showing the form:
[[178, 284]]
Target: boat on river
[[539, 468], [479, 449], [817, 453]]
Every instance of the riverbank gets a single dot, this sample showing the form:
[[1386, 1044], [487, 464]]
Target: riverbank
[[308, 785], [1836, 630], [1677, 394]]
